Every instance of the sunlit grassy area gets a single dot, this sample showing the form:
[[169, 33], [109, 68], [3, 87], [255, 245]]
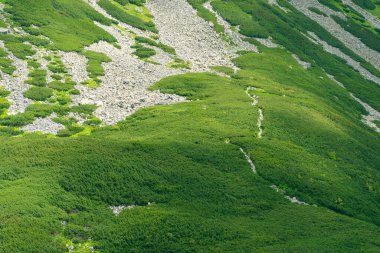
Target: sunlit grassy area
[[205, 197]]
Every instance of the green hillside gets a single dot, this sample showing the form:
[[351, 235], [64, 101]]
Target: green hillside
[[270, 152]]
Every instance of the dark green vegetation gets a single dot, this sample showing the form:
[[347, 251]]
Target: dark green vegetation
[[143, 52], [37, 77], [137, 2], [366, 4], [316, 10]]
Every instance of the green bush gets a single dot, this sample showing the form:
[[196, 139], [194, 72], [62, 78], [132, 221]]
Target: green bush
[[331, 4], [57, 67], [6, 65], [165, 48], [18, 120], [33, 64], [40, 110], [366, 4], [121, 15], [368, 37], [69, 131], [4, 104], [93, 122], [143, 52], [3, 53], [56, 77], [37, 77], [20, 50], [3, 92], [63, 99], [84, 109], [318, 11], [60, 86], [94, 64], [9, 131], [38, 93]]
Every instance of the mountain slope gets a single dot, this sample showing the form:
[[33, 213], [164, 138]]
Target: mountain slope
[[189, 126]]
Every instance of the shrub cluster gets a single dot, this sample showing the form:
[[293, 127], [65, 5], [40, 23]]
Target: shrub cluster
[[94, 64], [143, 52], [6, 64], [122, 15], [165, 48]]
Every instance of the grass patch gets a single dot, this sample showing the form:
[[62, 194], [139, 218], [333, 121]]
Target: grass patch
[[38, 93], [165, 48], [318, 11], [62, 86], [223, 69], [40, 110], [37, 77], [367, 36], [18, 120], [143, 52], [84, 109], [94, 65], [20, 50], [120, 13], [377, 123], [179, 64], [6, 66], [69, 24], [4, 92]]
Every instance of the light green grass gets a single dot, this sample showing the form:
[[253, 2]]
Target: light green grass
[[69, 24]]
